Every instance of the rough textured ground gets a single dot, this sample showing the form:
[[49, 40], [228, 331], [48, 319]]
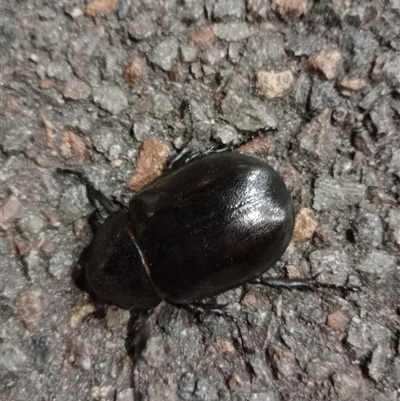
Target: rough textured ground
[[83, 91]]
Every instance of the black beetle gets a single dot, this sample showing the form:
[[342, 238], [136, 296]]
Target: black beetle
[[211, 224]]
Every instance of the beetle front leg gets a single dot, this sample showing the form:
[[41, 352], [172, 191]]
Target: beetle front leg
[[186, 155], [95, 196], [301, 284]]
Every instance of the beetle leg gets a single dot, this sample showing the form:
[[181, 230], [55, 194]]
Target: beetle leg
[[180, 158], [94, 221], [96, 197], [230, 147], [218, 310], [301, 284], [186, 155]]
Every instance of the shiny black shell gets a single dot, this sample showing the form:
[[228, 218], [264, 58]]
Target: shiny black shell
[[198, 230]]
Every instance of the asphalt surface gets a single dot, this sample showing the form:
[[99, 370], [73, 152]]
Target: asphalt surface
[[318, 82]]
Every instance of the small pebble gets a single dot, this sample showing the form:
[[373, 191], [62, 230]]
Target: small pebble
[[283, 361], [29, 307], [100, 7], [353, 84], [34, 58], [187, 384], [59, 70], [188, 53], [76, 90], [134, 70], [324, 96], [378, 263], [369, 229], [165, 53], [364, 336], [150, 164], [272, 84], [293, 272], [334, 193], [205, 390], [225, 134], [116, 318], [226, 9], [318, 136], [331, 265], [232, 32], [100, 393], [304, 226], [75, 12], [285, 7], [235, 383], [338, 320], [225, 347], [79, 312], [202, 37], [30, 224], [259, 144], [142, 27], [73, 143], [192, 10], [74, 204], [262, 370], [110, 98], [154, 353], [60, 264], [80, 354], [348, 387], [379, 363], [12, 357], [373, 96], [326, 62], [8, 211], [251, 116], [321, 369]]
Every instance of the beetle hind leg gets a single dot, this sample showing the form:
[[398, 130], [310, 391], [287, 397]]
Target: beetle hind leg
[[218, 310], [301, 284]]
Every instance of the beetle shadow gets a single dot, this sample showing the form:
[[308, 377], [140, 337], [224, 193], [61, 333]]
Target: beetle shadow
[[139, 328], [140, 325]]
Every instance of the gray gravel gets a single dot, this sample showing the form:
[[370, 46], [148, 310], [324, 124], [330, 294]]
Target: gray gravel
[[66, 102]]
